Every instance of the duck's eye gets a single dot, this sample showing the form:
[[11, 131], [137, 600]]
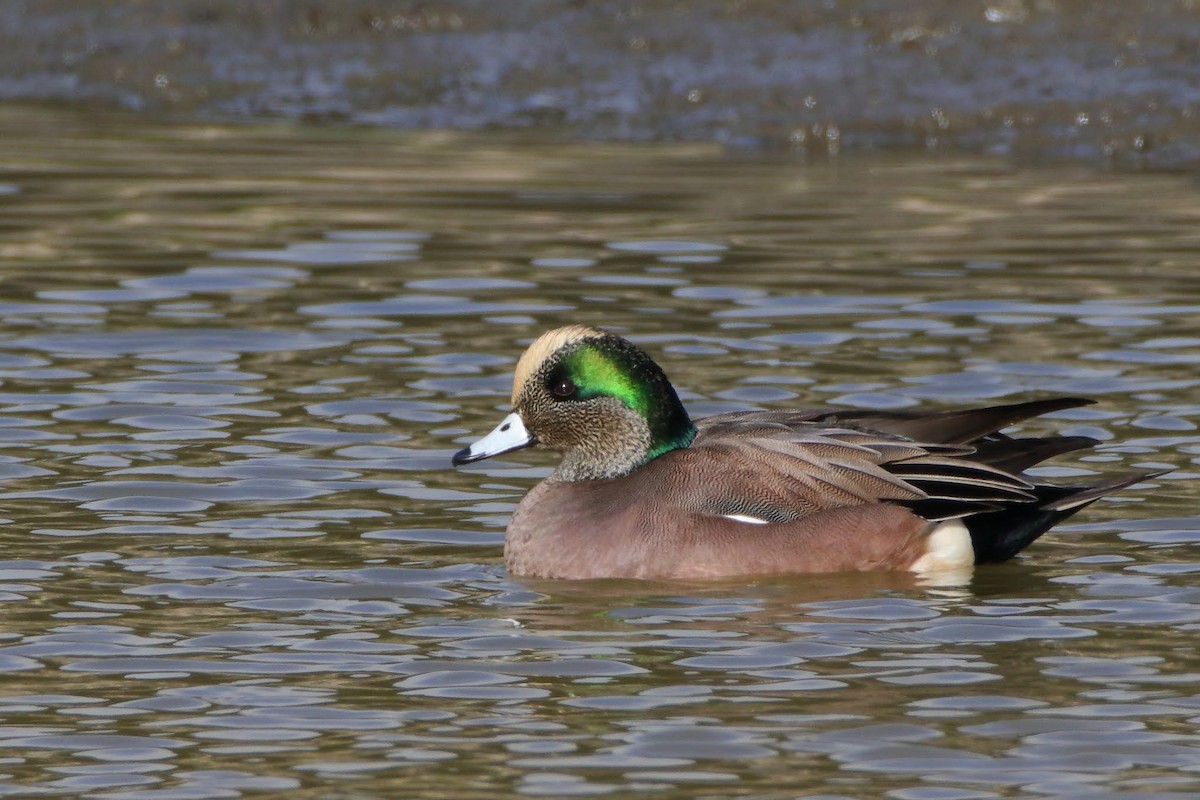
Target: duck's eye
[[562, 388]]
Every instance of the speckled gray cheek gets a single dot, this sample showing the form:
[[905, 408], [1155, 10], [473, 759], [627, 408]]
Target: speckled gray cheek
[[598, 437], [614, 442]]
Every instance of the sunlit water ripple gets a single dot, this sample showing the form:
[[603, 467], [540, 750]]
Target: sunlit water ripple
[[235, 363]]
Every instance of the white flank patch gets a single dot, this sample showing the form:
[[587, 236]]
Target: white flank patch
[[949, 548], [746, 519]]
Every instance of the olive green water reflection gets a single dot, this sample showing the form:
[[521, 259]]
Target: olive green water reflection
[[235, 362]]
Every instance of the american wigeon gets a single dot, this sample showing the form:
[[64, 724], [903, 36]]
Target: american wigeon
[[644, 491]]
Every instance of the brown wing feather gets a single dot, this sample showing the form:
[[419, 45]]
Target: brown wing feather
[[798, 462], [960, 426]]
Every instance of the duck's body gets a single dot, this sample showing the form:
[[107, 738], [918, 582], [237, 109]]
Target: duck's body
[[644, 492]]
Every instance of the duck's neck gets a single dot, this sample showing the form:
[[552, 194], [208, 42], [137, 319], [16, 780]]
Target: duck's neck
[[672, 431], [669, 426]]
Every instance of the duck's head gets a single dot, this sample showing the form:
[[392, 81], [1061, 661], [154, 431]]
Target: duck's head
[[594, 397]]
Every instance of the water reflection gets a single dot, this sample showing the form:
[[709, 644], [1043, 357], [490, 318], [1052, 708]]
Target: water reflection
[[235, 560]]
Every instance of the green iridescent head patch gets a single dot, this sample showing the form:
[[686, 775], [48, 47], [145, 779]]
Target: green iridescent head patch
[[598, 371], [614, 368]]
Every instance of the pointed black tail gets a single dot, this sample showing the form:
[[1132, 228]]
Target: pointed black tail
[[1000, 535]]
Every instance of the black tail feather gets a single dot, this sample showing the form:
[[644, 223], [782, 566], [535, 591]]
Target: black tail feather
[[999, 535], [1018, 455]]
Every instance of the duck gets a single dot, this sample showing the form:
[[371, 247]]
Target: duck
[[643, 491]]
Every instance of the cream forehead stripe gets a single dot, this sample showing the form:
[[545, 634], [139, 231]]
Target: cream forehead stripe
[[545, 346]]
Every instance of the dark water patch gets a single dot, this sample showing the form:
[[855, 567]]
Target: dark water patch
[[996, 78], [130, 343]]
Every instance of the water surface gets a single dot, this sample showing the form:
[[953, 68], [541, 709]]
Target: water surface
[[235, 362]]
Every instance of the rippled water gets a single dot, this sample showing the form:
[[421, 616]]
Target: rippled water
[[235, 362]]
